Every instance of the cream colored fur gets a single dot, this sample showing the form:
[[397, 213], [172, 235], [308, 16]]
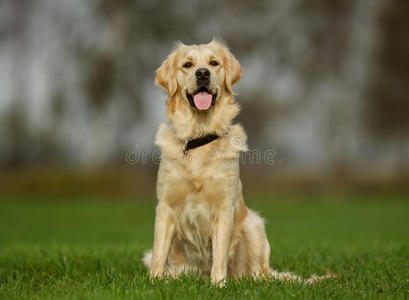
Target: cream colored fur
[[202, 224]]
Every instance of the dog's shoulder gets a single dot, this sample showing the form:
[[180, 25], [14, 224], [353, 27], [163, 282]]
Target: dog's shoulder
[[237, 139], [230, 145], [163, 135], [167, 142]]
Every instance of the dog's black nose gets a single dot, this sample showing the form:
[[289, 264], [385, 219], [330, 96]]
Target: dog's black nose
[[202, 74]]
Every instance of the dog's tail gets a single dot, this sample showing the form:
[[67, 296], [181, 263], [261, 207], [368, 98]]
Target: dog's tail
[[147, 259], [288, 276]]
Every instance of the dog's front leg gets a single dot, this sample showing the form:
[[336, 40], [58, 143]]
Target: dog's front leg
[[164, 232], [221, 242]]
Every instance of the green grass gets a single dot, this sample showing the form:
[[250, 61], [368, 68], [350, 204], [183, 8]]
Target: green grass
[[82, 248]]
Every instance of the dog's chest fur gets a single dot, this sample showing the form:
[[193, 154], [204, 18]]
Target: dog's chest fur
[[196, 211], [194, 227]]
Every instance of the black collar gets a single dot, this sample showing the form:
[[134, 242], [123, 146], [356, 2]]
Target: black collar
[[192, 144]]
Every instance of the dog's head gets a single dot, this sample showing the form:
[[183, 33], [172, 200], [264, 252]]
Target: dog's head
[[199, 74]]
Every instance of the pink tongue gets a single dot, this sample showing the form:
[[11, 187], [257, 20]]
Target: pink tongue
[[202, 100]]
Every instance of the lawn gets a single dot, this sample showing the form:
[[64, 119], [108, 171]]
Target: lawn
[[90, 248]]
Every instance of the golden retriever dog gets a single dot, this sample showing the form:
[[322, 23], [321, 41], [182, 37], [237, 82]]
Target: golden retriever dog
[[202, 224]]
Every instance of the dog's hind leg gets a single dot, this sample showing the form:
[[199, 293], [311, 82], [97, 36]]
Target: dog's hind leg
[[255, 246]]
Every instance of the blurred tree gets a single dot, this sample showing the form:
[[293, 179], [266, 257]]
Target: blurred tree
[[100, 79], [18, 135], [388, 93]]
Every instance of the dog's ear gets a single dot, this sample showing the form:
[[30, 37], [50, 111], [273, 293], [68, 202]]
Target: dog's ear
[[232, 70], [166, 75]]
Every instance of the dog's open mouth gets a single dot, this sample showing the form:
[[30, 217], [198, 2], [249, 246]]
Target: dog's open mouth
[[202, 99]]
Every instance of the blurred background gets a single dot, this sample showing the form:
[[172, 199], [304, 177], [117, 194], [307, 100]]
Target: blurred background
[[325, 86]]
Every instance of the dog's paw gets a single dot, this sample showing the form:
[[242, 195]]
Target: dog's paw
[[155, 274], [218, 279], [219, 283]]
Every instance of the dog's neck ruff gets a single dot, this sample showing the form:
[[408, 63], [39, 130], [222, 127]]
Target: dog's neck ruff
[[195, 143]]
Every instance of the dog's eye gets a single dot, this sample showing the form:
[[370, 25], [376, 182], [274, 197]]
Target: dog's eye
[[187, 64], [213, 63]]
